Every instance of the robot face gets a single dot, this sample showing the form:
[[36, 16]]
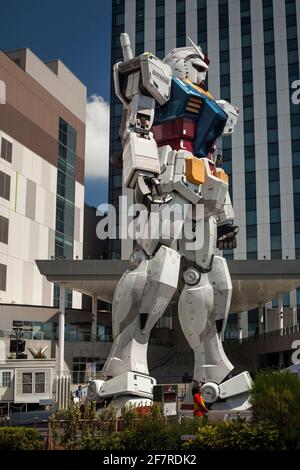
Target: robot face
[[188, 62], [196, 69]]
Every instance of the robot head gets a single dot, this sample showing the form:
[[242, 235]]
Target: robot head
[[188, 62]]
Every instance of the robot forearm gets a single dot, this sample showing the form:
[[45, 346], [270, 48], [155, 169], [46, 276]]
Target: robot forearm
[[140, 154], [140, 157], [227, 214], [226, 230]]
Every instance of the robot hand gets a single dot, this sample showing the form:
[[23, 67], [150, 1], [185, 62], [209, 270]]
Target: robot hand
[[226, 237]]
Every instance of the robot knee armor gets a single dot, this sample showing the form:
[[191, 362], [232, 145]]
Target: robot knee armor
[[191, 276], [136, 258]]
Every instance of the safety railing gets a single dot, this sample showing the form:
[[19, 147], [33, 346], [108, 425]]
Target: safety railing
[[269, 334], [46, 336], [25, 334]]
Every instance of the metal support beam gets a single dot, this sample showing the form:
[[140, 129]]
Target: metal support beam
[[261, 323], [94, 318], [61, 331], [280, 311], [240, 327]]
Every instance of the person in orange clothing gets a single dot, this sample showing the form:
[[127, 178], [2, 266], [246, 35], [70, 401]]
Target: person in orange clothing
[[199, 404]]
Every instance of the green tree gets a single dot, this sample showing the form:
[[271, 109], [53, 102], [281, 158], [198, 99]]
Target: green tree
[[275, 398]]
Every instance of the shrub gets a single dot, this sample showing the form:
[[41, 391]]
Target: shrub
[[111, 441], [67, 424], [237, 434], [275, 398], [150, 432], [20, 438]]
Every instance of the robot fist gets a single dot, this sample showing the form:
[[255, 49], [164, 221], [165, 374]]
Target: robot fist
[[226, 237]]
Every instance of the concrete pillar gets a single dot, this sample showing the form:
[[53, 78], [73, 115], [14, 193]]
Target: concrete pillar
[[94, 318], [261, 325], [61, 331], [280, 311]]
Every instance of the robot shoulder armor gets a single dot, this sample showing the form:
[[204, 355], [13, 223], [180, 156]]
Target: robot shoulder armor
[[145, 74], [156, 78]]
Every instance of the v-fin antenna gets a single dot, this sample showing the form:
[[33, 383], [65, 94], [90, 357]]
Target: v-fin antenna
[[197, 48]]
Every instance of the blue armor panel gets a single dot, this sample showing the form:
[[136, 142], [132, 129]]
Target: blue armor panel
[[190, 102]]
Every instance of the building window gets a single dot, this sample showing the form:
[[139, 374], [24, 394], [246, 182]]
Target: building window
[[39, 386], [85, 368], [180, 23], [139, 26], [27, 382], [35, 330], [6, 150], [6, 379], [4, 185], [3, 230], [3, 277], [160, 28]]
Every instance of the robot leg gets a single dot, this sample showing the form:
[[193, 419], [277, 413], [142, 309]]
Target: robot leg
[[234, 391], [141, 298], [203, 312], [197, 315]]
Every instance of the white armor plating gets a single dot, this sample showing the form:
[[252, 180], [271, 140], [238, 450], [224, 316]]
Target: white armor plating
[[144, 292]]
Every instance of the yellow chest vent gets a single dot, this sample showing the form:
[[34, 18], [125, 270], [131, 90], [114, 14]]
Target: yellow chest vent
[[194, 105]]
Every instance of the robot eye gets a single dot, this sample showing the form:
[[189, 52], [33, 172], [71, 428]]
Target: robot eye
[[199, 67]]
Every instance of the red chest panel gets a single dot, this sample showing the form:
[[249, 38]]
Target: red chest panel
[[178, 133]]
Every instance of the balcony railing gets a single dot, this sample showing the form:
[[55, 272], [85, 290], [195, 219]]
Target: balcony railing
[[52, 336], [269, 334], [78, 336]]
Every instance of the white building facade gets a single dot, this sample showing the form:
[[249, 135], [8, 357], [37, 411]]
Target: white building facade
[[42, 142]]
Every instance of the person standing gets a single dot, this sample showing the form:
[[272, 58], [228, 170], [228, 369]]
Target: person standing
[[199, 405], [78, 393]]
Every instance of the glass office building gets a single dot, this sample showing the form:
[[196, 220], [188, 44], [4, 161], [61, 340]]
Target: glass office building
[[253, 46]]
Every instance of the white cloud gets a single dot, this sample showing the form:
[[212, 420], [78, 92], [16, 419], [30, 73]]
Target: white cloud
[[97, 138]]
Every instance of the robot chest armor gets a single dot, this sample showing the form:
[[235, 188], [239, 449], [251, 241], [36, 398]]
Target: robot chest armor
[[191, 120]]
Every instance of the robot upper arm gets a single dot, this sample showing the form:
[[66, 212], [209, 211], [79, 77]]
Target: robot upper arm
[[140, 83]]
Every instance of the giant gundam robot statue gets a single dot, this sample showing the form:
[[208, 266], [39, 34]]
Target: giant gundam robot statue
[[171, 156]]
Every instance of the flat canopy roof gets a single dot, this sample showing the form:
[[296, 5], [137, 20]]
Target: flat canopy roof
[[254, 281]]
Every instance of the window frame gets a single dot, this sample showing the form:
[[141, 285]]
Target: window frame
[[6, 385], [6, 150], [38, 383], [29, 383]]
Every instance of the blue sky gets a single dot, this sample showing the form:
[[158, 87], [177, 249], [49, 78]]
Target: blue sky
[[75, 31]]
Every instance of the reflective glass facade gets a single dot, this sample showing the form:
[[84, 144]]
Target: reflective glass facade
[[115, 174], [65, 200]]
